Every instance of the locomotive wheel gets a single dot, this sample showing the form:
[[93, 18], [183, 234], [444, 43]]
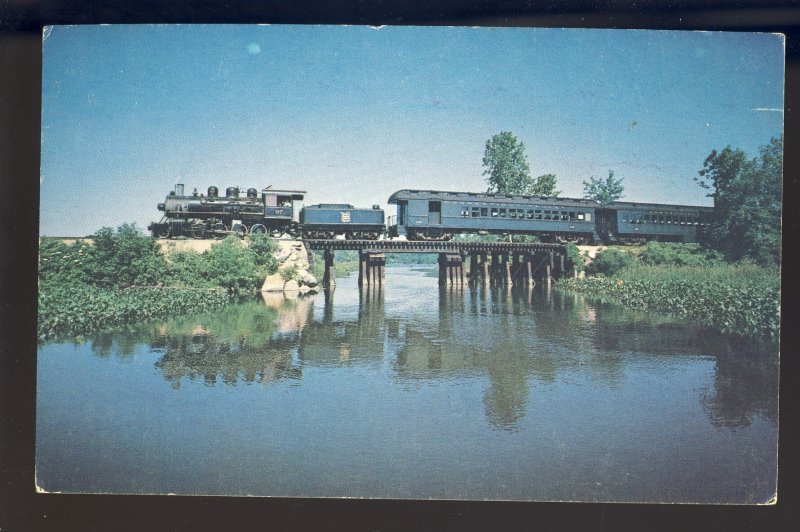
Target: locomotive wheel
[[219, 230], [276, 233], [198, 230], [240, 230], [258, 229], [163, 231]]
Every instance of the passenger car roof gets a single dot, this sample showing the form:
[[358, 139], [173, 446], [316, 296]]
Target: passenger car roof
[[444, 195]]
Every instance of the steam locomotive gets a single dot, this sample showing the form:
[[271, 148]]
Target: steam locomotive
[[276, 212]]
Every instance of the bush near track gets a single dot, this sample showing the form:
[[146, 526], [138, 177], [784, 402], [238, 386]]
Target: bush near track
[[124, 277], [687, 282]]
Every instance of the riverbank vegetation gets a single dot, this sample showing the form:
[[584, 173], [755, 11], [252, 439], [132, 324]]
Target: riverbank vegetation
[[124, 277], [731, 280], [688, 281]]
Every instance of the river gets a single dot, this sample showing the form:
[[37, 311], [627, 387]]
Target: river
[[413, 392]]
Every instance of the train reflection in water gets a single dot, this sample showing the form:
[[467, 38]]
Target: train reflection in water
[[520, 341]]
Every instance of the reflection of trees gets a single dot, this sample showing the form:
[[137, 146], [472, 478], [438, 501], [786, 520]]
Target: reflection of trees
[[512, 337], [332, 342], [206, 356], [745, 372], [253, 342], [745, 384]]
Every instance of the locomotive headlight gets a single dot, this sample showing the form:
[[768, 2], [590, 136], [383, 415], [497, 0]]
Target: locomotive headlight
[[161, 206]]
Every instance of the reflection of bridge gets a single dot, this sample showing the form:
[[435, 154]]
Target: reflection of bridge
[[489, 262]]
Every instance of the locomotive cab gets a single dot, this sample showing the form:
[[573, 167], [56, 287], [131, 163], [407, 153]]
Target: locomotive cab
[[282, 204]]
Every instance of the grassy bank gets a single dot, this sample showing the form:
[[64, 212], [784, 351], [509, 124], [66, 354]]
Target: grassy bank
[[123, 277], [742, 299]]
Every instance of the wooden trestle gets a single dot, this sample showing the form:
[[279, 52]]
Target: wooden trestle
[[490, 263]]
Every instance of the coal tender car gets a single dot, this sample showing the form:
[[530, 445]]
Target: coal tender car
[[437, 215], [329, 220], [277, 212]]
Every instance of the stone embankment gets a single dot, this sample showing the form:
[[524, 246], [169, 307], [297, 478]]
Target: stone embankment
[[294, 271]]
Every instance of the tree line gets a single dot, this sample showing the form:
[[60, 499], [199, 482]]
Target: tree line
[[747, 193]]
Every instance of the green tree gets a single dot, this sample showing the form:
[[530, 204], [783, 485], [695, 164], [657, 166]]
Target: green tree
[[505, 165], [746, 223], [544, 185], [124, 257], [610, 262], [603, 191]]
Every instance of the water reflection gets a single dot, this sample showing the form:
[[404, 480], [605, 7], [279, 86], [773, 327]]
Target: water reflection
[[518, 339]]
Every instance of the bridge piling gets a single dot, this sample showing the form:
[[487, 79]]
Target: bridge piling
[[451, 269], [507, 279], [490, 263], [328, 276], [548, 270], [495, 267], [485, 278], [371, 269], [473, 268]]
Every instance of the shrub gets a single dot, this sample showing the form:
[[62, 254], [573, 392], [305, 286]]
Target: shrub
[[574, 258], [231, 265], [744, 299], [262, 247], [78, 309], [609, 262], [659, 253], [124, 257]]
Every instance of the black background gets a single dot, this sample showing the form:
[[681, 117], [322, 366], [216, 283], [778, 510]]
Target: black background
[[20, 98]]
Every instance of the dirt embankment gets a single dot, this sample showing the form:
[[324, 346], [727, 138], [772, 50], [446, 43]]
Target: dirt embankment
[[176, 246]]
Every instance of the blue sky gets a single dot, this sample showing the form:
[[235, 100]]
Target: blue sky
[[352, 114]]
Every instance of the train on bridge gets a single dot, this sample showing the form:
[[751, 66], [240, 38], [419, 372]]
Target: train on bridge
[[424, 215]]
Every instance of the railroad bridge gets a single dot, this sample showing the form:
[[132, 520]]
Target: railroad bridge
[[489, 262]]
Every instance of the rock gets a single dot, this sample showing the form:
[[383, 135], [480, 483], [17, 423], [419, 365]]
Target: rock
[[273, 283], [291, 286], [308, 280]]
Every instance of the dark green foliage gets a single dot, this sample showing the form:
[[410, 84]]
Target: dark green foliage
[[740, 299], [231, 265], [610, 262], [603, 191], [747, 203], [505, 166], [123, 277], [263, 249], [672, 254], [60, 261], [66, 310], [544, 185], [124, 257], [574, 258]]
